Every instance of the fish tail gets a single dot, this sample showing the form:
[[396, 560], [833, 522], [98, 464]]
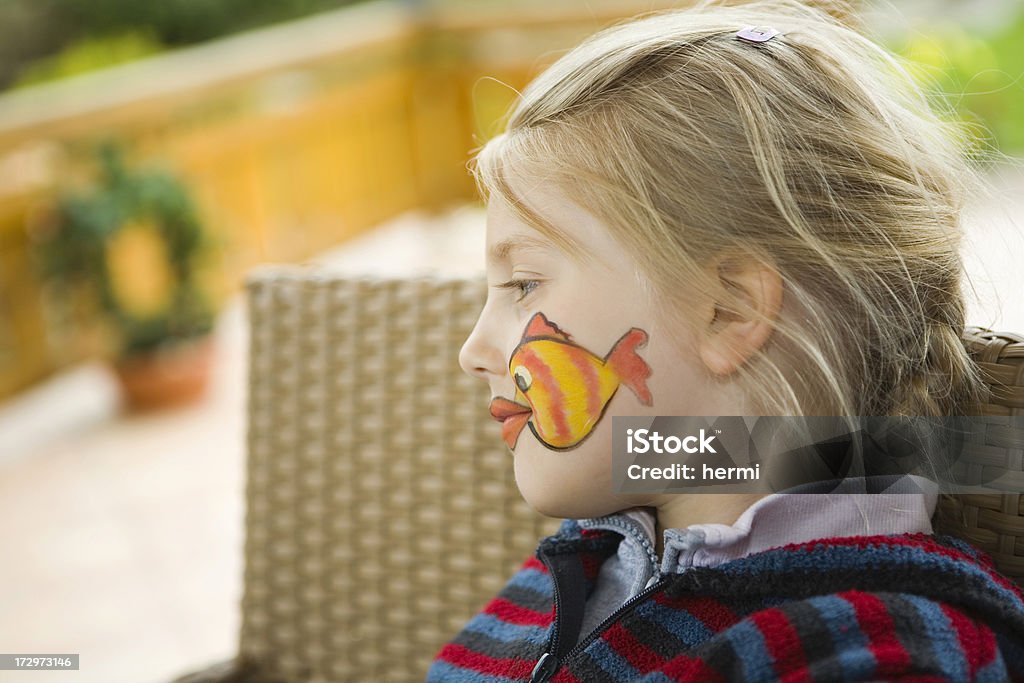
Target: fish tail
[[632, 370]]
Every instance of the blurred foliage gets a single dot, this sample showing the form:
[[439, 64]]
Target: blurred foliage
[[135, 242], [84, 32], [981, 77], [90, 54]]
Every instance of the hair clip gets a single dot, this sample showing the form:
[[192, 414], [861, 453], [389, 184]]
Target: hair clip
[[757, 34]]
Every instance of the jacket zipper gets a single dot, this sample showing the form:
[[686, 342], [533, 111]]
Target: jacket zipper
[[549, 663], [626, 528], [540, 673]]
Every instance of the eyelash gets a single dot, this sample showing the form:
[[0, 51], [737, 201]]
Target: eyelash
[[524, 287]]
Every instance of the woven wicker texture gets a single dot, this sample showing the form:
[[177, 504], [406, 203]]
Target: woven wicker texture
[[382, 510], [994, 522]]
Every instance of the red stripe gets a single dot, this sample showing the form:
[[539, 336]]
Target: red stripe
[[641, 657], [685, 669], [591, 560], [976, 640], [922, 541], [591, 565], [565, 676], [512, 613], [989, 646], [783, 644], [710, 611], [590, 379], [462, 656], [533, 563], [542, 373], [876, 623]]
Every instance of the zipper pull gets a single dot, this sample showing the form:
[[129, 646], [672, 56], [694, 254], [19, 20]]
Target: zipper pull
[[544, 668]]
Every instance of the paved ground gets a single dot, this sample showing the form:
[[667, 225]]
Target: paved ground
[[122, 536]]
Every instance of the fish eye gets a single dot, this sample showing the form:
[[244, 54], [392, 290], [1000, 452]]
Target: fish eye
[[523, 378]]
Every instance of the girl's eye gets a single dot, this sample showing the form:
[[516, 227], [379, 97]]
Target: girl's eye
[[524, 287]]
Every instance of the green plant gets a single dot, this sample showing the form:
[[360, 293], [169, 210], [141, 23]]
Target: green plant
[[981, 77], [43, 40], [89, 54], [136, 242]]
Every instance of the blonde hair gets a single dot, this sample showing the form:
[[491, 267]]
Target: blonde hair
[[815, 152]]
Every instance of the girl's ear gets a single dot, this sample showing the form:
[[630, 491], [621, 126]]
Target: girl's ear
[[738, 318]]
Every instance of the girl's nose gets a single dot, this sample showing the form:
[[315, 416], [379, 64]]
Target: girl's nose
[[480, 356]]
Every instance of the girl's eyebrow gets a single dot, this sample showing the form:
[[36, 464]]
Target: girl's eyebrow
[[501, 250]]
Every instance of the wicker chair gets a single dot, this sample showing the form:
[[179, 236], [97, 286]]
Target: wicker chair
[[382, 511]]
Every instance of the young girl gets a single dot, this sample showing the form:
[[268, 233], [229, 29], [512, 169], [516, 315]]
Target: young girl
[[726, 211]]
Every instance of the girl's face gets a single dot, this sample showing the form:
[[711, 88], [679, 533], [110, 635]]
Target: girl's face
[[567, 341]]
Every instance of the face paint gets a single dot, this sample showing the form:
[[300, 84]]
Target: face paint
[[562, 389]]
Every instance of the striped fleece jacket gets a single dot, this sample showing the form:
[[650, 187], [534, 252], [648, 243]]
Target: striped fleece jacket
[[906, 607]]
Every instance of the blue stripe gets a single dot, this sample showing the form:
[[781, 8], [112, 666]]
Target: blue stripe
[[748, 643], [942, 636], [963, 546], [569, 528], [829, 557], [493, 627], [611, 661], [657, 677], [534, 579], [445, 672], [678, 622], [993, 672], [849, 642]]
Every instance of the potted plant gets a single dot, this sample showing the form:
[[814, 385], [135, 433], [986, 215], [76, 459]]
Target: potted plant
[[136, 243]]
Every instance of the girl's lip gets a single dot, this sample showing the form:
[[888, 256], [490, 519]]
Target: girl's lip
[[502, 408], [513, 417]]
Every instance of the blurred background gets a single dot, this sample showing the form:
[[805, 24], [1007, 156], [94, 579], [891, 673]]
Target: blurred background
[[151, 154]]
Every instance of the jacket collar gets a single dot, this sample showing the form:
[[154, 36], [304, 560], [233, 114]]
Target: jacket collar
[[940, 567], [850, 507]]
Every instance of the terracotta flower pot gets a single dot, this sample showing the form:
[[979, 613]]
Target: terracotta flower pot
[[167, 377]]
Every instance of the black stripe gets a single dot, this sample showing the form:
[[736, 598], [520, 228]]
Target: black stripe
[[655, 636], [816, 640], [1012, 651], [604, 542], [528, 598], [512, 649], [911, 632], [582, 666], [719, 654]]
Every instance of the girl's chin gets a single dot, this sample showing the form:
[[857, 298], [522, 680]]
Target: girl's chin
[[563, 484], [551, 508], [560, 502]]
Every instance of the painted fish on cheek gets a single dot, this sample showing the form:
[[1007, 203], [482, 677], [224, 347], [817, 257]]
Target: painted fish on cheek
[[563, 389]]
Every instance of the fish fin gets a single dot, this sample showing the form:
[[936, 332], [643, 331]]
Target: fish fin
[[540, 326], [631, 369]]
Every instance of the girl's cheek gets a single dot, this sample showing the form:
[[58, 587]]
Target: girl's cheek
[[569, 385]]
